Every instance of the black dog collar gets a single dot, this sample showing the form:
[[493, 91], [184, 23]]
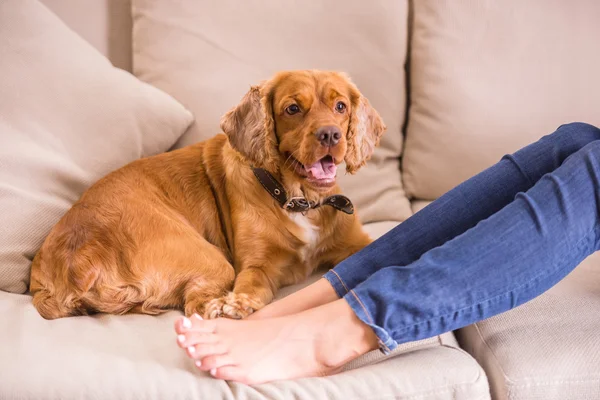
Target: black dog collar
[[299, 204]]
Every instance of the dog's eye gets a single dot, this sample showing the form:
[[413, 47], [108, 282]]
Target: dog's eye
[[340, 107], [293, 109]]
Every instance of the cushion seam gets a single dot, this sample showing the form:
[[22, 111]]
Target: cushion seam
[[496, 360]]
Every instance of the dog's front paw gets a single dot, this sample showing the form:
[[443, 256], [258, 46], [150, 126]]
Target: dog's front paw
[[238, 305], [214, 308]]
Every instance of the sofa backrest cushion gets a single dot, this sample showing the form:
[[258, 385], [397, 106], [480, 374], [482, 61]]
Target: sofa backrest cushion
[[67, 118], [207, 54], [105, 24], [489, 77]]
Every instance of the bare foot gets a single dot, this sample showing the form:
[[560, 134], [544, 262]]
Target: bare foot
[[319, 293], [315, 342]]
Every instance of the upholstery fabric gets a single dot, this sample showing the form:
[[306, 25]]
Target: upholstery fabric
[[67, 118], [136, 356], [207, 54], [489, 77], [105, 24], [547, 349]]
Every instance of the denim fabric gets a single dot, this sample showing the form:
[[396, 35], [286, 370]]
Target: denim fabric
[[492, 243]]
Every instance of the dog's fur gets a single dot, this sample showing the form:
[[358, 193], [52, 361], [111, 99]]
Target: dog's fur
[[194, 229]]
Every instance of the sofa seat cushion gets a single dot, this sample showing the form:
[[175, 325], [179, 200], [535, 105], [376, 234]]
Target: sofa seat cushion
[[547, 349], [207, 54], [135, 356]]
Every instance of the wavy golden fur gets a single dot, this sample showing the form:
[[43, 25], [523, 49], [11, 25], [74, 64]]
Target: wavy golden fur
[[193, 229]]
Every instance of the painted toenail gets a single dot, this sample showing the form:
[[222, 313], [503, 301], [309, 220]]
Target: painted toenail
[[186, 323], [198, 363], [181, 338], [213, 371], [198, 317], [191, 349]]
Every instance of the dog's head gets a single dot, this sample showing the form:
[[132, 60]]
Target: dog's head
[[305, 122]]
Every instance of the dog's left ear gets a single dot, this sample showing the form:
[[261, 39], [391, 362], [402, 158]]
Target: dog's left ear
[[251, 129], [364, 132]]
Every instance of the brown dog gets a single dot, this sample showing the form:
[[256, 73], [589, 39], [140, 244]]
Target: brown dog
[[195, 228]]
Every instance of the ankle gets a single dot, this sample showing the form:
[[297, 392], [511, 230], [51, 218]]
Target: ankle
[[317, 294], [344, 338]]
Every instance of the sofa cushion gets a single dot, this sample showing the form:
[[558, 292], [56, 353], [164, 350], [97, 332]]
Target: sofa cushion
[[418, 205], [135, 356], [548, 348], [488, 77], [207, 54], [67, 117], [105, 24]]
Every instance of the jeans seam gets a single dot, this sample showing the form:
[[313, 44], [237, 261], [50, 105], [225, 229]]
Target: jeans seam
[[497, 296], [341, 280], [363, 307], [381, 343]]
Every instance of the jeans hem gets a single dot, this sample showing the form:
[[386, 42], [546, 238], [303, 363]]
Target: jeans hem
[[335, 280], [386, 343]]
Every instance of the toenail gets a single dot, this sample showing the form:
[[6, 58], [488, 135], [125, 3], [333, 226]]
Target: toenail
[[213, 371], [198, 363], [186, 323], [198, 317], [191, 349], [181, 338]]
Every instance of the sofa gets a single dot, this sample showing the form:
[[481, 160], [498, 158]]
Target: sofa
[[459, 83]]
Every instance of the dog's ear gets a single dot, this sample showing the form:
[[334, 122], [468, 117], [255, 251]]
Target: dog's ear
[[251, 129], [364, 132]]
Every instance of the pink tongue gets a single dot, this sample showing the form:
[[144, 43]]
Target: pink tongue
[[322, 169]]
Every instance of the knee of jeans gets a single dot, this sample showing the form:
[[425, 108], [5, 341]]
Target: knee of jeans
[[578, 133]]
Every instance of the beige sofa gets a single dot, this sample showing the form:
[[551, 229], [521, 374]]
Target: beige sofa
[[459, 84]]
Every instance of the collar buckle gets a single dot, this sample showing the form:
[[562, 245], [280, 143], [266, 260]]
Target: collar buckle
[[297, 204]]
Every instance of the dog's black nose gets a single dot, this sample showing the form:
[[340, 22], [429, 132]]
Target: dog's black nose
[[328, 136]]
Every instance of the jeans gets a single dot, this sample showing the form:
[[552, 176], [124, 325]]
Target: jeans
[[492, 243]]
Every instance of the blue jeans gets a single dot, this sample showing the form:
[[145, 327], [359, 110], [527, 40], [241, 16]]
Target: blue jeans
[[492, 243]]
